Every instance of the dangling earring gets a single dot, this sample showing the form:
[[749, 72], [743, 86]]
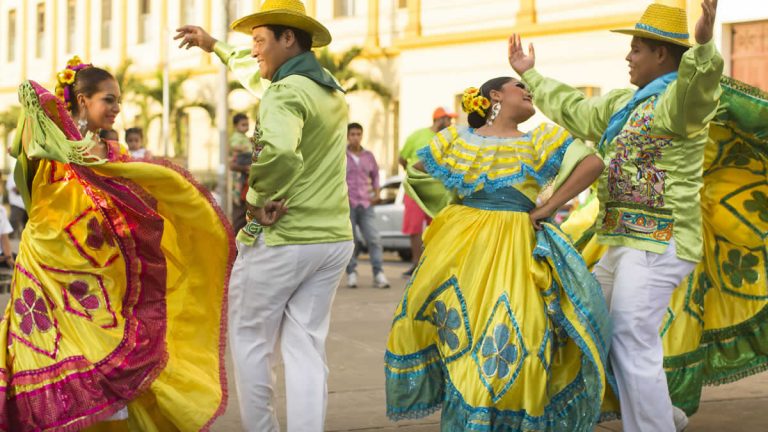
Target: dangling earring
[[494, 113], [82, 122]]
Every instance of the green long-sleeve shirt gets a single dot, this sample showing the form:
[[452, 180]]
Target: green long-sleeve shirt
[[649, 192], [302, 129]]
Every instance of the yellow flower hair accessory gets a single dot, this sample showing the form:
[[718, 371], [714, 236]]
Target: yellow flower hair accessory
[[74, 61], [66, 78], [473, 101]]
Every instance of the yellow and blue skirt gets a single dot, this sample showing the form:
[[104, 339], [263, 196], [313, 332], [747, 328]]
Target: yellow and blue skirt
[[502, 327]]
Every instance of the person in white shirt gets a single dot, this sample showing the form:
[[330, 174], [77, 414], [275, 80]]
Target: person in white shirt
[[134, 137]]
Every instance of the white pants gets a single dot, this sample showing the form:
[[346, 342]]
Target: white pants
[[638, 286], [283, 291]]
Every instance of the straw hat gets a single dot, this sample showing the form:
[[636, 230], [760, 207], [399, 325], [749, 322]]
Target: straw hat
[[663, 23], [289, 13]]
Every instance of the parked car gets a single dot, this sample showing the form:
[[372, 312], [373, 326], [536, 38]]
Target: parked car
[[389, 218]]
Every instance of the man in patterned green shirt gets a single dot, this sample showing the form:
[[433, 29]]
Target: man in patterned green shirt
[[290, 260], [652, 141]]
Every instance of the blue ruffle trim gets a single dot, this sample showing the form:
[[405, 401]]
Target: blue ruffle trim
[[455, 180], [418, 384], [583, 291]]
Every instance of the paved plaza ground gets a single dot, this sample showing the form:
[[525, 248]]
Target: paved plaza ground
[[356, 344], [359, 328]]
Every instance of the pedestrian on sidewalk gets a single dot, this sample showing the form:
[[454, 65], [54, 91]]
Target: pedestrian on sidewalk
[[414, 218], [294, 250], [364, 190], [652, 139]]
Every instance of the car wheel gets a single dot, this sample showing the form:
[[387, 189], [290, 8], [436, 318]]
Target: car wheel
[[405, 255]]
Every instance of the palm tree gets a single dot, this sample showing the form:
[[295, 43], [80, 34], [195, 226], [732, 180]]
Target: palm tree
[[9, 118], [8, 121], [150, 95], [134, 91], [351, 81], [178, 105]]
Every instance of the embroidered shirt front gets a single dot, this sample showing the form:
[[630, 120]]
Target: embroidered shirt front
[[649, 191]]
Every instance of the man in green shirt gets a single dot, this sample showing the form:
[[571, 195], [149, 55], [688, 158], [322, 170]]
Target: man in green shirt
[[414, 218], [292, 254], [652, 141]]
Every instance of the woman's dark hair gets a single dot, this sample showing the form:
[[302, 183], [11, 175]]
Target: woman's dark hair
[[303, 38], [134, 130], [87, 83], [474, 118]]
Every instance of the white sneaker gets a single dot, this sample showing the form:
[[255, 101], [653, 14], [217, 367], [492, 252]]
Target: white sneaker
[[380, 280], [681, 419], [352, 280]]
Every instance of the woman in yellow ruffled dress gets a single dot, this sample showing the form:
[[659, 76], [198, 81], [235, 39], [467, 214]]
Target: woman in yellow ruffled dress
[[502, 325], [117, 299]]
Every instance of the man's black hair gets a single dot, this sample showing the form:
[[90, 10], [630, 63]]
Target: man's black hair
[[675, 50], [303, 38]]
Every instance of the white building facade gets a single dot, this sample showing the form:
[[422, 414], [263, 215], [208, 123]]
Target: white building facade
[[425, 51]]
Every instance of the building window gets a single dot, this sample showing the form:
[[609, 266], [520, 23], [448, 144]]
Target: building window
[[40, 41], [188, 11], [344, 8], [71, 21], [11, 35], [145, 27], [106, 24]]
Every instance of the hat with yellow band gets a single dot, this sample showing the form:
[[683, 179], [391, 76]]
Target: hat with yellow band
[[663, 23], [290, 13]]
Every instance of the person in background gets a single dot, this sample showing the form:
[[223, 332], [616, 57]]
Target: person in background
[[240, 153], [362, 176], [109, 135], [239, 141], [134, 137], [414, 218], [19, 216]]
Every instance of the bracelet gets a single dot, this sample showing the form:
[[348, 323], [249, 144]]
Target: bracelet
[[248, 215]]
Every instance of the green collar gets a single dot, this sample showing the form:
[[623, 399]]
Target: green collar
[[305, 64]]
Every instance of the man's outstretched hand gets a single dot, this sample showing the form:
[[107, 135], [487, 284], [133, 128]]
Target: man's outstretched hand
[[706, 24], [519, 61], [194, 36]]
